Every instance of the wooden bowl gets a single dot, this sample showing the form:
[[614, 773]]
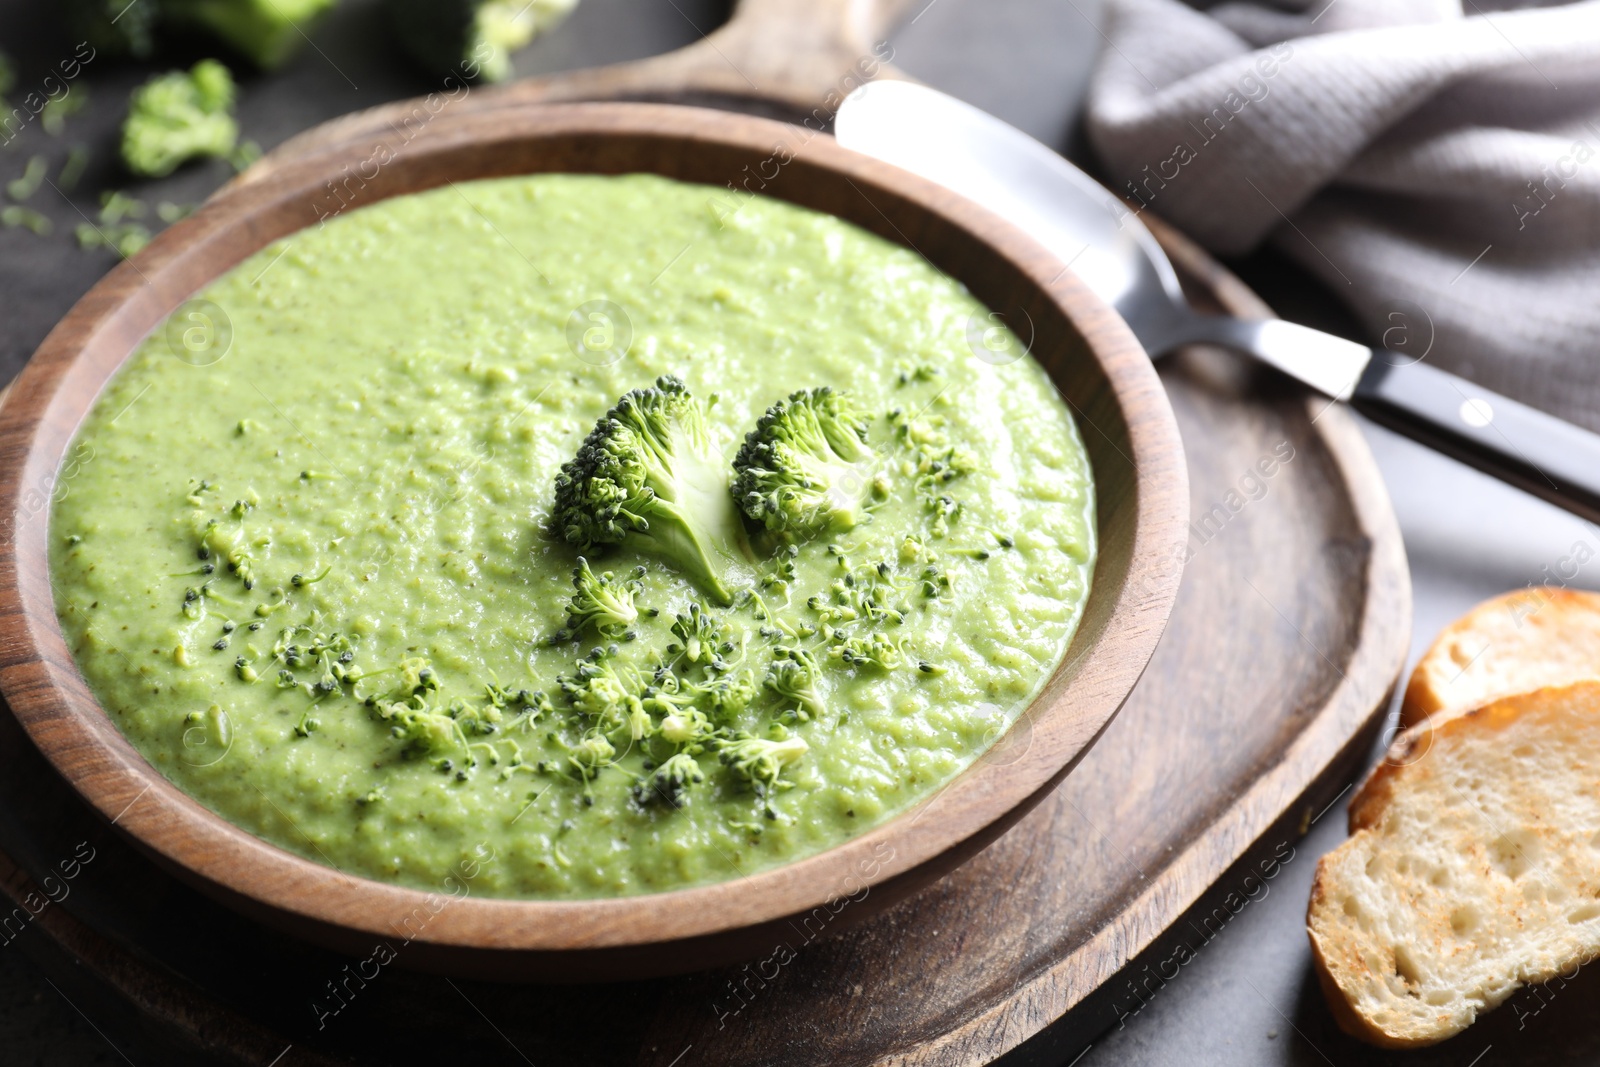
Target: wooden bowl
[[1095, 361]]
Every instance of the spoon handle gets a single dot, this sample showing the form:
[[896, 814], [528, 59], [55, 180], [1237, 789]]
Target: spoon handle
[[1520, 445]]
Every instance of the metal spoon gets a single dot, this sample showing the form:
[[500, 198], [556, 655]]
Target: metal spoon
[[1000, 167]]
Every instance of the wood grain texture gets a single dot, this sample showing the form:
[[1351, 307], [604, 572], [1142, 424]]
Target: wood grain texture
[[1252, 694], [1092, 358]]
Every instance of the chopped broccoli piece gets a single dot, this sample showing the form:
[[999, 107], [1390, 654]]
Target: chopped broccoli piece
[[943, 509], [728, 695], [602, 694], [688, 728], [937, 467], [177, 117], [602, 601], [759, 762], [228, 543], [425, 729], [699, 635], [868, 592], [32, 177], [793, 677], [876, 650], [670, 781], [118, 27], [649, 476], [589, 757], [58, 109], [476, 37], [14, 215], [806, 466]]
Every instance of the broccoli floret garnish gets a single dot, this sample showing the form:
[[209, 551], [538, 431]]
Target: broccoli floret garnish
[[806, 466], [417, 676], [793, 677], [728, 695], [267, 32], [475, 37], [650, 476], [177, 117], [864, 593], [599, 692], [668, 783], [589, 757], [505, 696], [943, 509], [916, 372], [935, 462], [936, 468], [227, 540], [689, 729], [759, 762], [699, 636], [424, 729], [602, 601], [876, 650]]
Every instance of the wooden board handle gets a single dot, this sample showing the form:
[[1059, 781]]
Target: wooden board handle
[[793, 56], [797, 54], [796, 51]]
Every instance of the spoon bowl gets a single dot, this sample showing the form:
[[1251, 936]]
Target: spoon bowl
[[1097, 236]]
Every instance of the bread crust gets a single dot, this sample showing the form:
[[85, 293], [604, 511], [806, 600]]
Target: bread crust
[[1344, 1012], [1513, 643]]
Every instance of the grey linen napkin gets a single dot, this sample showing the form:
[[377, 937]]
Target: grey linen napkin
[[1435, 162]]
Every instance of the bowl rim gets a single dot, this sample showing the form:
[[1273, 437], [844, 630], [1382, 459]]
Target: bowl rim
[[41, 684]]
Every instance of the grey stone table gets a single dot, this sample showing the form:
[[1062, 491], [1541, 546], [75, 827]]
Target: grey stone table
[[1248, 997]]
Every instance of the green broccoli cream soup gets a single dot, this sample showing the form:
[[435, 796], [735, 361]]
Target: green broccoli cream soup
[[575, 528]]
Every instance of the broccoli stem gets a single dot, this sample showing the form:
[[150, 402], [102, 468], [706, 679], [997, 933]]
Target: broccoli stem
[[700, 531]]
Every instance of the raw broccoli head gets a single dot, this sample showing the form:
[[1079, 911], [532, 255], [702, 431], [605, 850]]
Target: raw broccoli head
[[472, 35], [267, 32], [806, 466], [176, 117], [649, 476]]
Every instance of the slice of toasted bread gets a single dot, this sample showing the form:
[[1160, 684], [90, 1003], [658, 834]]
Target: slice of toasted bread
[[1474, 868], [1514, 643]]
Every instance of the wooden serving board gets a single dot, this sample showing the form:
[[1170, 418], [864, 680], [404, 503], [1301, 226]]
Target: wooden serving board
[[1290, 630]]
